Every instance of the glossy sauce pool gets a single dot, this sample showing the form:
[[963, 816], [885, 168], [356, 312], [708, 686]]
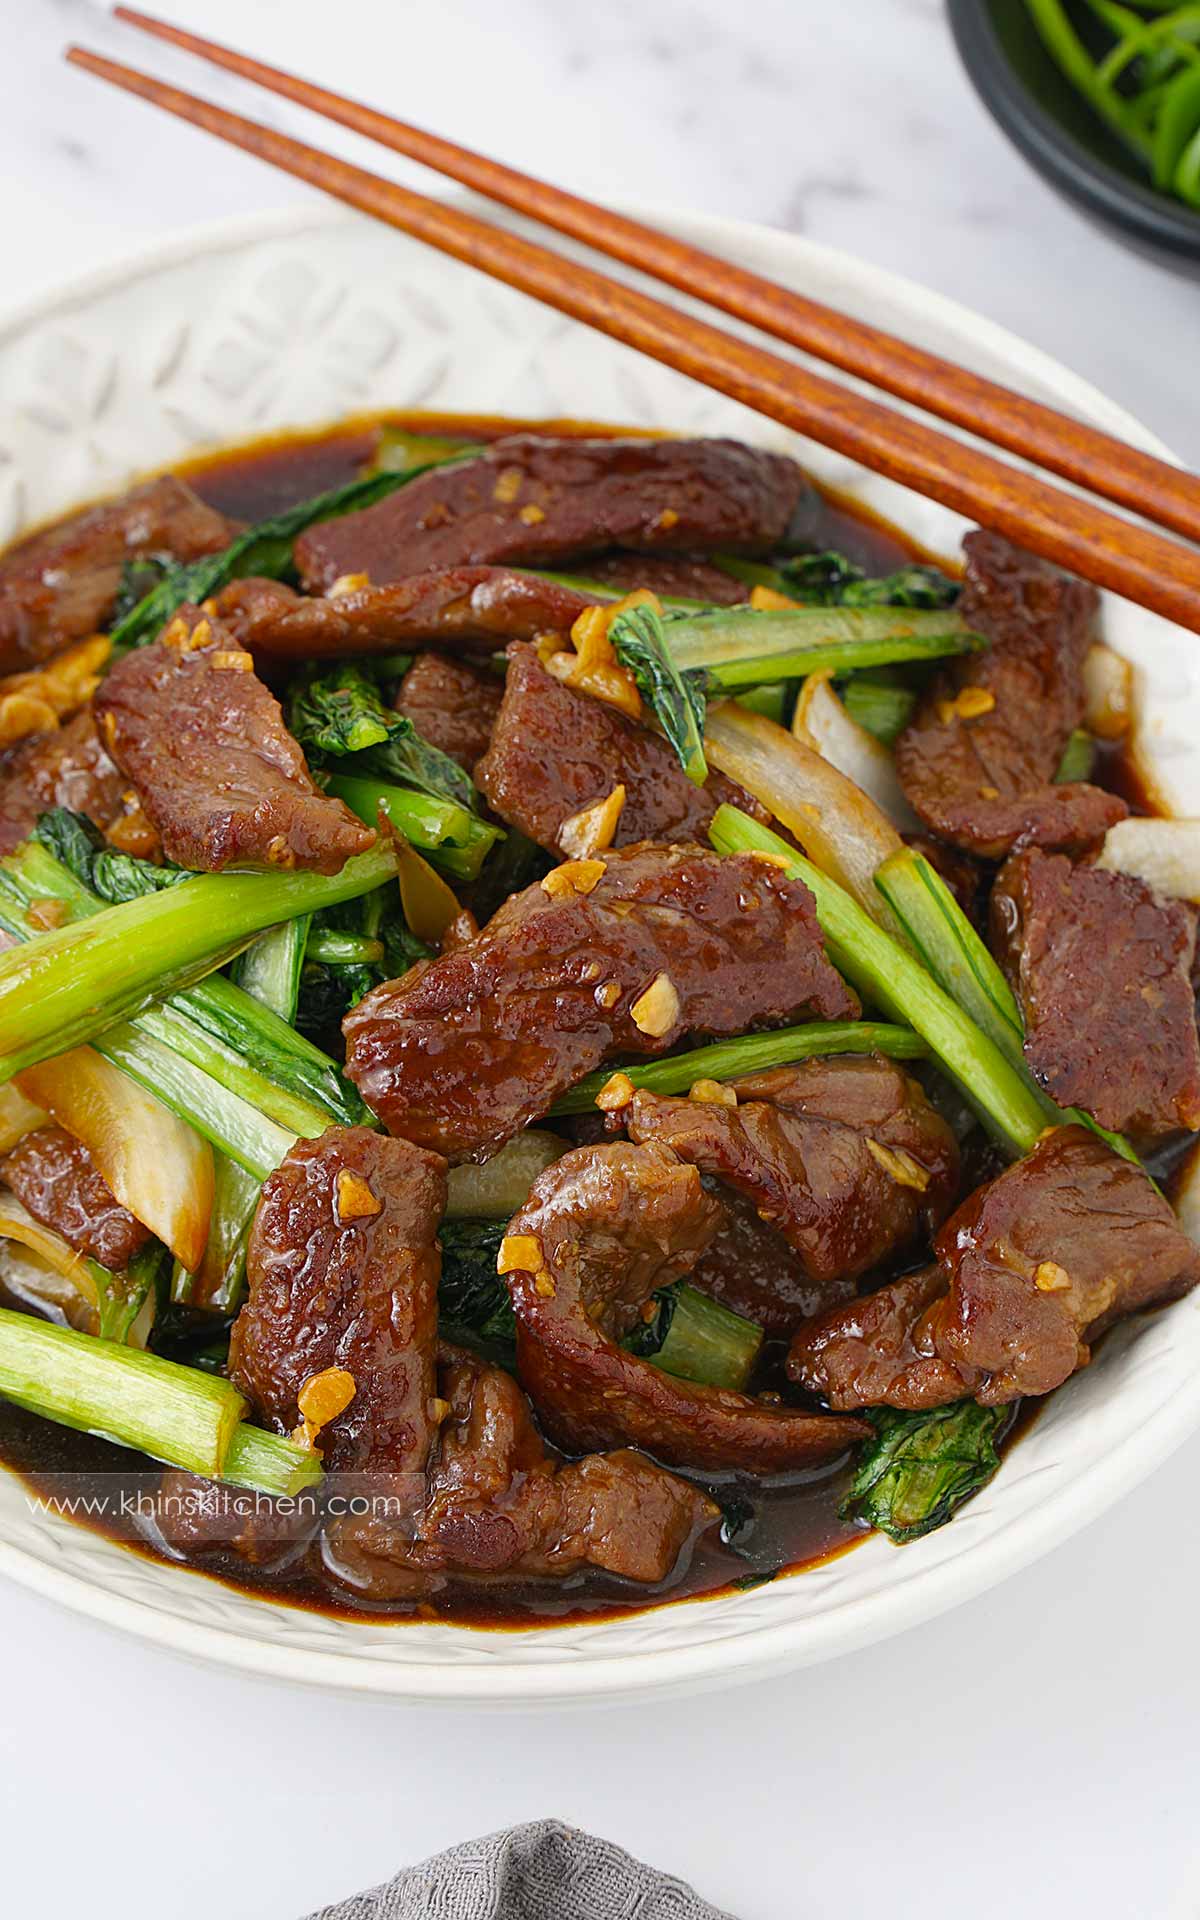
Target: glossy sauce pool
[[770, 1528]]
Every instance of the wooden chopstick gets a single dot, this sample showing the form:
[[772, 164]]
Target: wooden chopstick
[[1157, 491], [1087, 539]]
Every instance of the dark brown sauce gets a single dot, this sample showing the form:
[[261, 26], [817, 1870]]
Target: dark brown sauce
[[771, 1529]]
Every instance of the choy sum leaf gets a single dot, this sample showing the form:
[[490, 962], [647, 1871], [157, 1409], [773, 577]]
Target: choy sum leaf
[[920, 1467], [338, 715], [674, 695]]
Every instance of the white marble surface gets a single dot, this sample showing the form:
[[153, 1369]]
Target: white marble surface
[[1035, 1749]]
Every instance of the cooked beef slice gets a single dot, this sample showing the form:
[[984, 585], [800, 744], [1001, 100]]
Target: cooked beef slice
[[342, 1269], [1102, 968], [61, 584], [203, 741], [497, 1501], [979, 757], [533, 500], [555, 751], [603, 1228], [451, 704], [1033, 1267], [68, 768], [845, 1155], [750, 1268], [623, 954], [56, 1180], [460, 608]]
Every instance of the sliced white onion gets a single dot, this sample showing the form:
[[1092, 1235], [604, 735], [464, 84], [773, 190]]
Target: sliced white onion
[[1108, 693], [822, 723], [841, 828], [1163, 853], [1185, 1196], [496, 1189], [18, 1116], [156, 1164], [39, 1269]]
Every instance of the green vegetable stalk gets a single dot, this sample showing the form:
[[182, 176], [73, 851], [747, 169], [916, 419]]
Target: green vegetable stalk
[[750, 1053], [880, 965], [452, 838], [695, 1338]]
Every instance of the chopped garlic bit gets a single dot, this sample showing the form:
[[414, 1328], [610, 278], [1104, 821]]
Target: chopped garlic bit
[[353, 1197], [348, 583], [593, 828], [519, 1253], [543, 1284], [231, 660], [779, 860], [968, 704], [713, 1093], [531, 514], [655, 1012], [508, 485], [593, 667], [616, 1093], [766, 600], [574, 876], [46, 913], [900, 1165], [1049, 1277], [279, 853], [607, 994], [36, 701], [667, 519], [321, 1399]]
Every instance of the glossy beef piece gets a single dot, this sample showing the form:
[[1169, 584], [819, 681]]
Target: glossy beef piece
[[451, 704], [554, 751], [464, 1050], [985, 781], [532, 500], [204, 743], [878, 1351], [333, 1284], [1102, 968], [750, 1268], [669, 575], [845, 1156], [196, 1518], [61, 584], [498, 1503], [475, 608], [68, 768], [603, 1228], [1046, 1257], [56, 1180]]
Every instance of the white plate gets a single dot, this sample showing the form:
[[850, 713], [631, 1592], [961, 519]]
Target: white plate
[[275, 322]]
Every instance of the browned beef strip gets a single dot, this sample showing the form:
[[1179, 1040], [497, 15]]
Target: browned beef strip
[[498, 1502], [195, 1517], [603, 1228], [473, 608], [61, 584], [68, 768], [749, 1267], [1102, 968], [203, 741], [1046, 1257], [452, 705], [554, 751], [986, 782], [465, 1049], [531, 500], [878, 1351], [332, 1284], [844, 1155], [668, 574], [1034, 1265], [56, 1180]]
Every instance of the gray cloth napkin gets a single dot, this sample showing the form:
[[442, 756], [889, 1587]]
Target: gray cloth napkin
[[543, 1871]]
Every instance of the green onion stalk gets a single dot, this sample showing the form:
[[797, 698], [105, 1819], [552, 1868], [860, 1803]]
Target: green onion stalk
[[174, 1413], [881, 967], [751, 1053]]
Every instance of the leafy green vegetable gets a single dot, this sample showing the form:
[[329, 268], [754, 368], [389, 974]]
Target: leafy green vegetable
[[474, 1309], [831, 580], [113, 876], [675, 697], [264, 549], [337, 714], [920, 1467]]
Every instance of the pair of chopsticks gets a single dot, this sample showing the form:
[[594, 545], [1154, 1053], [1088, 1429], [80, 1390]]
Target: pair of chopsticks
[[1076, 533]]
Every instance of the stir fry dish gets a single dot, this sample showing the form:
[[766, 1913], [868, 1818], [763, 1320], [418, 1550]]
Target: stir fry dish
[[578, 1024]]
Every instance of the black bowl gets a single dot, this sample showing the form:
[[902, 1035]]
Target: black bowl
[[1060, 136]]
